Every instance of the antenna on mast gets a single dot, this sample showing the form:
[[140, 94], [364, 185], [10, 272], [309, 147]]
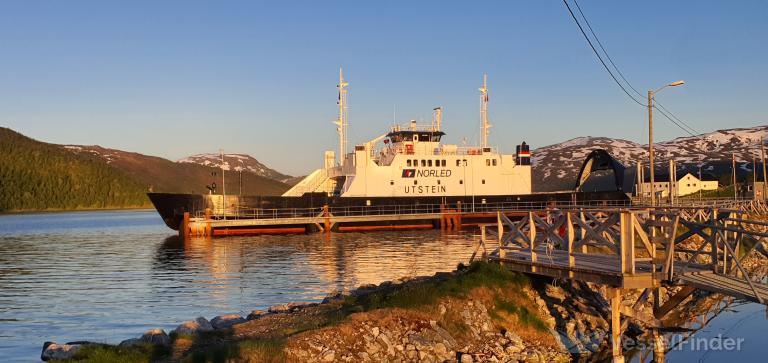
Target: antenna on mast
[[341, 122], [437, 118], [484, 125]]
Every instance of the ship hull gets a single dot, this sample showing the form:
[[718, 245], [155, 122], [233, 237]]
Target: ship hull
[[172, 207]]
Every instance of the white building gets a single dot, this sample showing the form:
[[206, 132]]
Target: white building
[[684, 185]]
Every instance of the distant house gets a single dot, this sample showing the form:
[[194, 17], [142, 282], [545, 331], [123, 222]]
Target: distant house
[[685, 184]]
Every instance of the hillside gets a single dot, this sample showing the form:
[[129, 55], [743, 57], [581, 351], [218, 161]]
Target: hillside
[[39, 176], [556, 166], [162, 175], [236, 162]]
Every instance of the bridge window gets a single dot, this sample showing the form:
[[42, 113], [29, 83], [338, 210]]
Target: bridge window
[[437, 162], [443, 162], [423, 163], [429, 163]]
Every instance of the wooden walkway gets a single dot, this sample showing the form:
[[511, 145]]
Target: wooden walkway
[[646, 249], [726, 285]]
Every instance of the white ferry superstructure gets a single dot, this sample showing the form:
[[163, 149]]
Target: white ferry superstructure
[[411, 161]]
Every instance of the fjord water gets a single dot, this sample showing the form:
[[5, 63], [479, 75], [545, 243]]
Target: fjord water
[[109, 276]]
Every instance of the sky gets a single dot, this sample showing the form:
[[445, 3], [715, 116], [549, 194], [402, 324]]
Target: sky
[[175, 78]]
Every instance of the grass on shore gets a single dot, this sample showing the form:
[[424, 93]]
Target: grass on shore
[[421, 296], [478, 274], [115, 354]]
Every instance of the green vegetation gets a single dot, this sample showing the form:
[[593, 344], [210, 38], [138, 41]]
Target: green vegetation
[[108, 353], [478, 274], [524, 315], [260, 350], [40, 176]]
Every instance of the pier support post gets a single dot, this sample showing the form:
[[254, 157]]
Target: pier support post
[[184, 227], [615, 295], [208, 229], [659, 347], [327, 219]]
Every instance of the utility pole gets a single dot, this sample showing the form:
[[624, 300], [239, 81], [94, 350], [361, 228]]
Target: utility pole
[[650, 133], [733, 167], [700, 181], [650, 146], [223, 187], [762, 151]]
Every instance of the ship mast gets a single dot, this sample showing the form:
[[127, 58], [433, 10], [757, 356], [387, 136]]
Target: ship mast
[[485, 127], [437, 118], [341, 122]]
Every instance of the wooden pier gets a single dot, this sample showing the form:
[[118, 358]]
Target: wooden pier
[[653, 250]]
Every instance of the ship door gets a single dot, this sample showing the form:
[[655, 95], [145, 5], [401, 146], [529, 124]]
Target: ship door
[[415, 138]]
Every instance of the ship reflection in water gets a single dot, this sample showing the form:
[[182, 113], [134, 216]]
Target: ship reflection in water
[[259, 271]]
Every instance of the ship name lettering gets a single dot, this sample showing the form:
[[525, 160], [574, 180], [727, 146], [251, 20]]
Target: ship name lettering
[[424, 189], [443, 173]]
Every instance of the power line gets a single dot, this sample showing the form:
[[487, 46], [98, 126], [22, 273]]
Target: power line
[[598, 55], [675, 122], [605, 51], [669, 115]]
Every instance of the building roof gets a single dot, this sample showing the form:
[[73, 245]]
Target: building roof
[[664, 177]]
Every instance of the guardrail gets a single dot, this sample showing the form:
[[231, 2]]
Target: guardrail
[[404, 209]]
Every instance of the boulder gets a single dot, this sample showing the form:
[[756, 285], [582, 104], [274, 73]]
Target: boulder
[[226, 321], [155, 337], [289, 307], [53, 351], [130, 342], [255, 314], [193, 326]]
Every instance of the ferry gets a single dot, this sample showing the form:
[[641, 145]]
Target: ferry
[[406, 166]]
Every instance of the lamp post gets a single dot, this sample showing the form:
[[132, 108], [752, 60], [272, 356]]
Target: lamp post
[[651, 93]]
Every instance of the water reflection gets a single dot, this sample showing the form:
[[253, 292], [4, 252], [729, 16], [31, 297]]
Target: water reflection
[[111, 275]]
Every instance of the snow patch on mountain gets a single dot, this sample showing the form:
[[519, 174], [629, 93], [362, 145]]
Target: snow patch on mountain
[[235, 162]]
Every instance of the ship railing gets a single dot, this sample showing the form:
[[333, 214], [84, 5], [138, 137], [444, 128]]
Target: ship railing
[[408, 209]]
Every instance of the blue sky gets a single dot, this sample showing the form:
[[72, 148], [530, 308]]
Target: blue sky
[[174, 78]]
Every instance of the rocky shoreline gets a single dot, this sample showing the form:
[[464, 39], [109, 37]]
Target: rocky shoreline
[[479, 313]]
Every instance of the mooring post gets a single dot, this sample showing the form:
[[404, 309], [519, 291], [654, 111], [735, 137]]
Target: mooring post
[[615, 295]]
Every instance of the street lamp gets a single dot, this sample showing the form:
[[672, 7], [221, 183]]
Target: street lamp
[[651, 93]]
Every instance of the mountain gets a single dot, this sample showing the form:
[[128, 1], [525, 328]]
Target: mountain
[[236, 162], [162, 175], [555, 166], [40, 176], [35, 175]]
